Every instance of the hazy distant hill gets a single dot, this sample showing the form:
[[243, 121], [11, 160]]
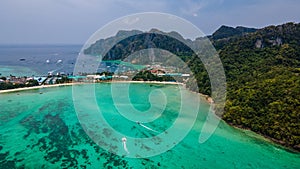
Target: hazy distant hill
[[262, 68], [136, 40], [225, 34]]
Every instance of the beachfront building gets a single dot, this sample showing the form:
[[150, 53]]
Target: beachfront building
[[97, 77], [40, 79]]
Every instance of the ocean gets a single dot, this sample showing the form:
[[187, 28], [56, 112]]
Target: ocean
[[84, 126], [28, 60]]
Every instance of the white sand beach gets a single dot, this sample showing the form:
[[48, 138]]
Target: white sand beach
[[208, 99], [36, 87], [69, 84]]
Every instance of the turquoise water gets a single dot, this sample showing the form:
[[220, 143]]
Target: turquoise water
[[40, 129], [16, 71]]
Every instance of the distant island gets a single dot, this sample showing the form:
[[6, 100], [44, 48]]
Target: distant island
[[262, 68]]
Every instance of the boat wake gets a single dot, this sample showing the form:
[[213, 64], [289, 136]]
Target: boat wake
[[148, 128], [124, 144]]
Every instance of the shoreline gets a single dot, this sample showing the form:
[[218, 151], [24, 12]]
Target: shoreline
[[78, 83], [36, 87], [266, 138], [206, 97]]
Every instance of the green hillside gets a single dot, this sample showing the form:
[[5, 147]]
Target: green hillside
[[262, 70]]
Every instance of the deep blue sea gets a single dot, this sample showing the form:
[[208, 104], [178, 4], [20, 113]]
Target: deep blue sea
[[28, 60]]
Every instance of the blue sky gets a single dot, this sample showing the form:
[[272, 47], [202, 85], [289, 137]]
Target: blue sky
[[74, 21]]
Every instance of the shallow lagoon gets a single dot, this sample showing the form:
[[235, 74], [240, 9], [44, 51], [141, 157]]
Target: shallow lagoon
[[40, 129]]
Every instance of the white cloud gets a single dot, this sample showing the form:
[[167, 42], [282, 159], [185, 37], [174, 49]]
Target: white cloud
[[194, 7], [191, 8]]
